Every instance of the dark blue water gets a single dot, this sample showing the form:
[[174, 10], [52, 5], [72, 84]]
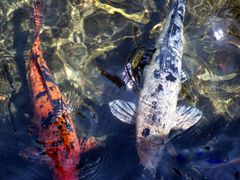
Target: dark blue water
[[79, 42]]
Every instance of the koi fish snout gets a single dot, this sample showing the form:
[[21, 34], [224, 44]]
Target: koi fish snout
[[149, 153], [70, 174]]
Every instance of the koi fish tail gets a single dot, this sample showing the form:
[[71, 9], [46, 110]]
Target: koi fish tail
[[38, 8], [37, 15]]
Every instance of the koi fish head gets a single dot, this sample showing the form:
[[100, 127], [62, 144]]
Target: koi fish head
[[60, 173], [150, 153]]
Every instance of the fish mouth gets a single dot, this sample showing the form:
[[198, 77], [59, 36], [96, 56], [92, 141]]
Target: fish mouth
[[70, 174], [150, 153]]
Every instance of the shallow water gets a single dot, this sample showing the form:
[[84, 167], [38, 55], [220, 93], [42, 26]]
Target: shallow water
[[83, 39]]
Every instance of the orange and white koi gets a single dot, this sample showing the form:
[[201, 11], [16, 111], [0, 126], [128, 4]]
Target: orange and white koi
[[55, 128]]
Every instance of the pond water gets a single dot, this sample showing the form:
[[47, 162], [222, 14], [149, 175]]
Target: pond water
[[87, 44]]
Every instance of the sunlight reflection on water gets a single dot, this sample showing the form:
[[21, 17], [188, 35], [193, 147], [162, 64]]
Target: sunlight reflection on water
[[81, 38]]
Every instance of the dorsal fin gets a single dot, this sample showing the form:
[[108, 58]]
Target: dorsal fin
[[133, 73]]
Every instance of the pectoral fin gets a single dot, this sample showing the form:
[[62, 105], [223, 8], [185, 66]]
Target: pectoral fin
[[87, 144], [187, 117], [35, 155], [71, 100], [134, 70], [123, 110]]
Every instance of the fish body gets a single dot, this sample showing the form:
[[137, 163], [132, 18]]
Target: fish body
[[55, 129], [156, 112]]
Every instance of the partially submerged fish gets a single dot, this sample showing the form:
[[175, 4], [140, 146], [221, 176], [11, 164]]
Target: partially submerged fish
[[60, 147], [157, 111]]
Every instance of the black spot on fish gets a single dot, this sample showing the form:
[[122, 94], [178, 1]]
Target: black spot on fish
[[57, 105], [175, 5], [170, 77], [156, 74], [46, 121], [169, 30], [181, 17], [159, 88], [66, 156], [153, 94], [34, 56], [46, 74], [54, 154], [154, 104], [40, 94], [45, 69], [145, 132], [175, 28], [68, 127], [71, 145], [173, 68], [53, 144], [154, 118], [164, 125], [60, 142], [49, 78], [180, 9]]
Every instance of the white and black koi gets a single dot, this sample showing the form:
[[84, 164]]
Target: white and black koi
[[157, 112]]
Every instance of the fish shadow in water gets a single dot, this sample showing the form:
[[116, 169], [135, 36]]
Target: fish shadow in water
[[22, 98]]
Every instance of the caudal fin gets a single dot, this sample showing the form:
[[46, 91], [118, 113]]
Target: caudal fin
[[38, 8]]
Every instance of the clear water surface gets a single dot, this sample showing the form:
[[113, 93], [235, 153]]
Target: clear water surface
[[86, 44]]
